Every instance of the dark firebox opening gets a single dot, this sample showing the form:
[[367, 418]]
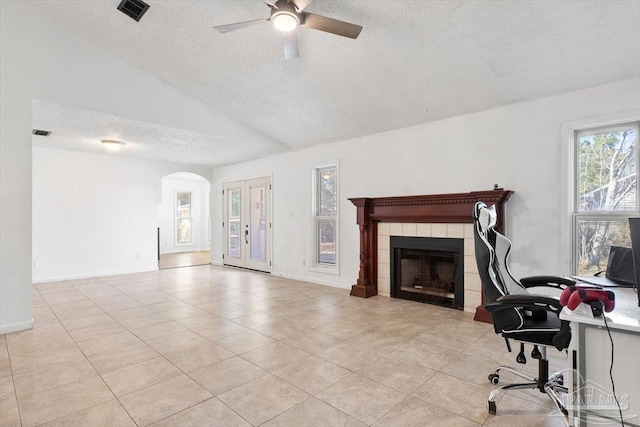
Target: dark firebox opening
[[428, 270]]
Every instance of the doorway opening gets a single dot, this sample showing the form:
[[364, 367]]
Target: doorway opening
[[184, 219]]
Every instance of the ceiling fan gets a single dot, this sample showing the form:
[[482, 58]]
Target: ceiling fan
[[287, 15]]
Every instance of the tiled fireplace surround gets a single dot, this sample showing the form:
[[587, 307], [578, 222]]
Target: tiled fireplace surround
[[472, 291], [437, 215]]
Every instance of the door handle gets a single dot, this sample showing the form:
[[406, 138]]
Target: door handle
[[246, 237]]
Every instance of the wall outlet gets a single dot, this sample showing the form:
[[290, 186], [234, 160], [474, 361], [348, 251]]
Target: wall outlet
[[35, 265], [139, 256], [304, 262]]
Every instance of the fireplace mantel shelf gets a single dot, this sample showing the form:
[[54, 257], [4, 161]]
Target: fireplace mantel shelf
[[435, 208]]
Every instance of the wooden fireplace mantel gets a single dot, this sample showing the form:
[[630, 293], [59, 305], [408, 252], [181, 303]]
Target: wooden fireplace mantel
[[435, 208]]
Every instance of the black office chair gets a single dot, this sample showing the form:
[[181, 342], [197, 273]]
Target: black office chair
[[517, 314]]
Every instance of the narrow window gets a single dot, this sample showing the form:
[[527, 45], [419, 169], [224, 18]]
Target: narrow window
[[326, 216], [183, 217]]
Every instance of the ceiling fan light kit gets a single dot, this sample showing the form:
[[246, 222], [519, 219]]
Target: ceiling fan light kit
[[285, 21], [287, 15]]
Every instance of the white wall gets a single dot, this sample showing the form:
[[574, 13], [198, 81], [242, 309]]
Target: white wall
[[515, 146], [38, 60], [518, 147], [95, 215], [200, 227]]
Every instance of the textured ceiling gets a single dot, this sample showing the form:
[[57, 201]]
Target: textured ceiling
[[82, 130], [414, 62]]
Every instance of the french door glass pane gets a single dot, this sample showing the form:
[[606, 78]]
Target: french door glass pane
[[326, 241], [184, 230], [607, 169], [233, 231], [258, 223], [595, 239]]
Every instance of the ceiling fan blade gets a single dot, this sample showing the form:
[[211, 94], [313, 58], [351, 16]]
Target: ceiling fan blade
[[301, 4], [290, 43], [269, 3], [330, 25], [231, 27]]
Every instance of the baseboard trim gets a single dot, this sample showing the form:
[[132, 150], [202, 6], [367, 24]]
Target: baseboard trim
[[15, 327], [90, 275], [182, 251], [311, 280]]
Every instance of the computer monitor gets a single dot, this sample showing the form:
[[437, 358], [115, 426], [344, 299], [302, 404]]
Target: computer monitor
[[620, 266], [634, 231]]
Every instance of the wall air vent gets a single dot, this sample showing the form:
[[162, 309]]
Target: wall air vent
[[41, 132], [133, 8]]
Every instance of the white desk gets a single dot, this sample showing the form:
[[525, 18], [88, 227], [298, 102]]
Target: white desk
[[589, 384]]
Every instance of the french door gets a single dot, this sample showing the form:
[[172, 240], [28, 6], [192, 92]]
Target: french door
[[247, 224]]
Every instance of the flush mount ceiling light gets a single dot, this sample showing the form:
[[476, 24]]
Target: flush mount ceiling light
[[112, 144]]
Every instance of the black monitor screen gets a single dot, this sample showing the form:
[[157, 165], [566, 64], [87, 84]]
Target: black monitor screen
[[620, 266]]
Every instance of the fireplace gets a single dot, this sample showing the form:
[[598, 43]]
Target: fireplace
[[435, 215], [427, 269]]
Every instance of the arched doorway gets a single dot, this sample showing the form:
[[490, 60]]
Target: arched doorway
[[184, 219]]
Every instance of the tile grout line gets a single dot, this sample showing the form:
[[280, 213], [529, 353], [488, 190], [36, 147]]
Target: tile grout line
[[94, 368], [15, 392], [101, 375], [164, 287], [199, 403], [168, 361], [160, 356]]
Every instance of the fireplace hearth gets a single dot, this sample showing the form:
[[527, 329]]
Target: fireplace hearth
[[428, 270]]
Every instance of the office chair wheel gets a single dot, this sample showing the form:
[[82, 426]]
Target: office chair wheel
[[492, 407], [494, 378]]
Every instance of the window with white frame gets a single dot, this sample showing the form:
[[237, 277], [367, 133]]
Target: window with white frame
[[606, 183], [183, 217], [326, 215]]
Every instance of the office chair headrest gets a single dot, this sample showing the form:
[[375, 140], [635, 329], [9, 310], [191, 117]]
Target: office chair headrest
[[486, 216]]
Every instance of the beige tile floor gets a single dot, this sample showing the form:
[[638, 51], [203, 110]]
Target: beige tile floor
[[211, 346]]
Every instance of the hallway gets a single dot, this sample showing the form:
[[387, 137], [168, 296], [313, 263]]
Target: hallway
[[184, 259]]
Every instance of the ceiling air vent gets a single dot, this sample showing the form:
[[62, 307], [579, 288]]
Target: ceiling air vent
[[133, 8], [41, 132]]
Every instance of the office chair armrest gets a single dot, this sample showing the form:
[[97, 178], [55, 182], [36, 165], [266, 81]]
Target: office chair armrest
[[531, 302], [557, 282]]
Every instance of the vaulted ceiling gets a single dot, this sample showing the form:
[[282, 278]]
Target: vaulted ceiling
[[414, 62]]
